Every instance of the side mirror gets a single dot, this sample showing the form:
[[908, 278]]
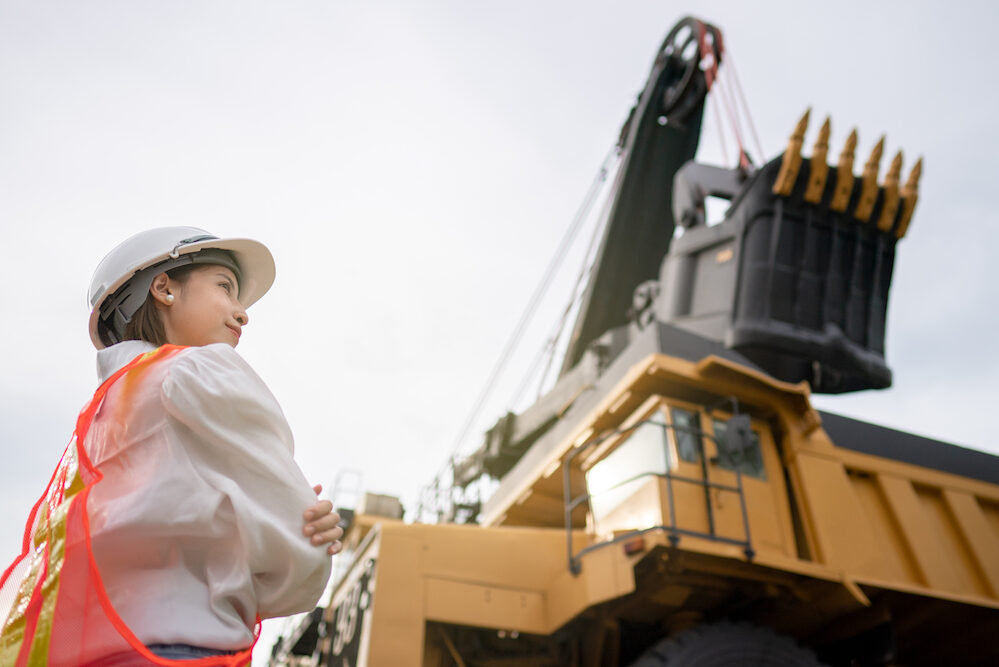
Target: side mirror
[[738, 437]]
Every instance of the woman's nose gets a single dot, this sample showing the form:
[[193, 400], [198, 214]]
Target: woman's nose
[[242, 317]]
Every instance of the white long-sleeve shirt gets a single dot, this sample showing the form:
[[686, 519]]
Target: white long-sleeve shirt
[[197, 525]]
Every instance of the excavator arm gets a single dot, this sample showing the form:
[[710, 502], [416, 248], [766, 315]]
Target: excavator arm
[[793, 282], [660, 135]]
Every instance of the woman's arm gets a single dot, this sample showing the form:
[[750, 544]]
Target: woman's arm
[[240, 443]]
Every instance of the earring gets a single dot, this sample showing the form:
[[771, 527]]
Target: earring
[[169, 298]]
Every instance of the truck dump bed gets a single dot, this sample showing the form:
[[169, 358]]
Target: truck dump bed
[[888, 443]]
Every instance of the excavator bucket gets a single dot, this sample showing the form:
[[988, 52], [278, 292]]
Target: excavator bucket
[[796, 278]]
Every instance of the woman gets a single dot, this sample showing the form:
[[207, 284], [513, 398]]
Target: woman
[[174, 522]]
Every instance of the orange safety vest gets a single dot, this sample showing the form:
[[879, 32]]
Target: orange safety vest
[[61, 611]]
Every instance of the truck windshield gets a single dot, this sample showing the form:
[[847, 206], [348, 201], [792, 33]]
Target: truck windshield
[[641, 455]]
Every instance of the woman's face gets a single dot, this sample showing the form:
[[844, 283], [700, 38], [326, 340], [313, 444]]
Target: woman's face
[[205, 307]]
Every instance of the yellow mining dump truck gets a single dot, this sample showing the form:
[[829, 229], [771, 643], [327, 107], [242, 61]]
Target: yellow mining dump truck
[[675, 499]]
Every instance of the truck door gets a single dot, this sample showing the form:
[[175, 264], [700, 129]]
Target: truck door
[[763, 492]]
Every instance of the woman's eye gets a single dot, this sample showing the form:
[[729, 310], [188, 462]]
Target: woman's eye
[[227, 286]]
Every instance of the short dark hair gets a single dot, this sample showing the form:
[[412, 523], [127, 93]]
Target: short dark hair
[[146, 323]]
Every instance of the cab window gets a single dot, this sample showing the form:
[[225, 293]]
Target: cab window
[[687, 434], [749, 462], [620, 474]]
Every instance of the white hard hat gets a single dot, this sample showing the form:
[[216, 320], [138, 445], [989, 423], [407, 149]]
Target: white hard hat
[[121, 282]]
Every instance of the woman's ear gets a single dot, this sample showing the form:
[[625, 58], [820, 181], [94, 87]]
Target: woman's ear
[[160, 289]]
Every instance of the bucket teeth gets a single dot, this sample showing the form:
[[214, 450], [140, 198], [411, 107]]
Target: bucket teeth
[[791, 162], [869, 183], [818, 169], [897, 204], [889, 201], [844, 175], [910, 194]]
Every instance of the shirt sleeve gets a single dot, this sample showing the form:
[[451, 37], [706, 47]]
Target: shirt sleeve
[[241, 444]]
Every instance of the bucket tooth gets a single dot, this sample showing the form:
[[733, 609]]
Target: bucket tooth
[[819, 170], [869, 183], [844, 175], [910, 194], [889, 204], [791, 162]]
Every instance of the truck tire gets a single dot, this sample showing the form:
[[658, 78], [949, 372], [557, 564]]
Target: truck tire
[[727, 645]]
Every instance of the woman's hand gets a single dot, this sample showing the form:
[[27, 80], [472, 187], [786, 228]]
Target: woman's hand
[[321, 524]]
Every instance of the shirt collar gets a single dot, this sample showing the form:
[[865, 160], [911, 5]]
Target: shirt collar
[[110, 359]]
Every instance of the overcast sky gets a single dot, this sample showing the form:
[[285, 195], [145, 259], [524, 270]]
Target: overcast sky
[[413, 165]]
